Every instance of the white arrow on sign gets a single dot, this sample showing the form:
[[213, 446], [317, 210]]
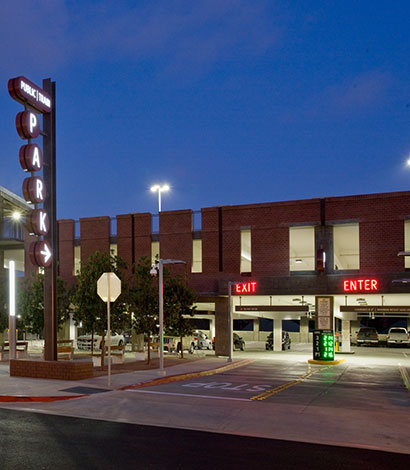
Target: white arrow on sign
[[46, 253]]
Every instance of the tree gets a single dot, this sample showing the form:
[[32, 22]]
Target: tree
[[89, 309], [143, 302], [30, 304], [3, 304], [178, 305]]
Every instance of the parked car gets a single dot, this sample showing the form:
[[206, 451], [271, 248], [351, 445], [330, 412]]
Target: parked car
[[127, 336], [285, 341], [199, 340], [238, 342], [398, 336], [84, 341], [367, 335]]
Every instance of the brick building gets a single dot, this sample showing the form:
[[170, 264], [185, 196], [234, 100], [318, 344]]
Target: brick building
[[282, 254]]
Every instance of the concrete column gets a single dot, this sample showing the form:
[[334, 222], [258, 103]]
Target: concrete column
[[354, 328], [345, 336], [212, 327], [304, 330], [256, 329], [221, 327], [277, 334]]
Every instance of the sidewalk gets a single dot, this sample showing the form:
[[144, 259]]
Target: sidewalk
[[29, 387]]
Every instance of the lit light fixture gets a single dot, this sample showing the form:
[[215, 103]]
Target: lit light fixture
[[160, 189], [16, 215]]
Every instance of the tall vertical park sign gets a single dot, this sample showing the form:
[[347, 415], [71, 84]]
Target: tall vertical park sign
[[40, 188]]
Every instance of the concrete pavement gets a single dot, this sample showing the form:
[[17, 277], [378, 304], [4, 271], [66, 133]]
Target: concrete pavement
[[316, 410]]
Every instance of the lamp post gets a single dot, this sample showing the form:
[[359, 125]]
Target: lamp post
[[158, 188], [12, 310], [160, 267]]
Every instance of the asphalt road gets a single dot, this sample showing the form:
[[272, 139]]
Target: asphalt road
[[360, 386], [41, 441], [362, 403]]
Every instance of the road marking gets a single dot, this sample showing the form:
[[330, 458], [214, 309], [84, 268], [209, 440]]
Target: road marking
[[228, 386], [280, 388], [187, 395], [187, 376]]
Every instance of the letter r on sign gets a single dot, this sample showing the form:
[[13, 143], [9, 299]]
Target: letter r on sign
[[39, 189]]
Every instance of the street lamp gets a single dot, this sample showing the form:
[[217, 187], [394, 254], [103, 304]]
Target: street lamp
[[12, 310], [159, 267], [160, 189]]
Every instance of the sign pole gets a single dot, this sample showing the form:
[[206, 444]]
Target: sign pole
[[50, 273], [109, 327], [230, 333], [161, 318]]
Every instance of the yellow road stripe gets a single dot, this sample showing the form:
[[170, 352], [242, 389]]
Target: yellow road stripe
[[280, 388]]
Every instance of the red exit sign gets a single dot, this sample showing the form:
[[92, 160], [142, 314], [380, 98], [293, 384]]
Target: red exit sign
[[245, 288], [361, 285]]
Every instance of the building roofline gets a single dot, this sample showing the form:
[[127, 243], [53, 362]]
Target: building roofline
[[14, 199]]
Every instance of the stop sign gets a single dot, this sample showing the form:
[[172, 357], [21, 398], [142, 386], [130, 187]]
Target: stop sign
[[109, 283]]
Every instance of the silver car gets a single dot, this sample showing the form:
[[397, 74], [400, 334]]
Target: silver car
[[398, 336]]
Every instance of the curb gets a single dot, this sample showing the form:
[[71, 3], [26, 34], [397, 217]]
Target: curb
[[25, 399], [326, 363], [186, 376]]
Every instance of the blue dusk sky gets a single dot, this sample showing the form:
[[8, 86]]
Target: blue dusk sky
[[227, 101]]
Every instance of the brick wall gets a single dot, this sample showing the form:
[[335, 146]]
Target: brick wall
[[381, 227], [133, 237], [64, 370], [210, 240], [95, 236], [381, 218], [175, 239], [66, 248]]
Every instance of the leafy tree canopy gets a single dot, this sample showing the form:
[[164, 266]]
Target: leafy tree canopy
[[88, 306], [3, 303], [30, 304], [143, 300], [178, 306]]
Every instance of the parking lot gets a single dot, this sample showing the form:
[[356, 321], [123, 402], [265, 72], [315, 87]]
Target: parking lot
[[362, 402]]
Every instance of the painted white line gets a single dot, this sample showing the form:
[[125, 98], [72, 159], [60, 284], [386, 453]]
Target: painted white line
[[188, 395]]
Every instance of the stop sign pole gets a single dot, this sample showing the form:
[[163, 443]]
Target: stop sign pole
[[109, 288]]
